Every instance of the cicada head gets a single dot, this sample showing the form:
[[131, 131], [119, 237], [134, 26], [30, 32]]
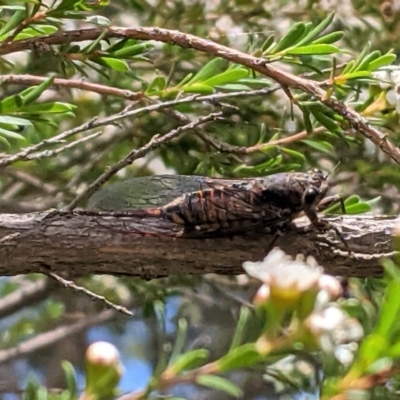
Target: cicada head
[[316, 189]]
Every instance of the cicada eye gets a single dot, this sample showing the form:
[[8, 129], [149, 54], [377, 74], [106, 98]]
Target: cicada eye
[[318, 174], [310, 196]]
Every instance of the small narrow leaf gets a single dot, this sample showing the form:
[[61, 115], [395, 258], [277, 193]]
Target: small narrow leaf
[[229, 76], [295, 154], [322, 146], [329, 38], [382, 61], [70, 378], [219, 383], [291, 38], [51, 108], [7, 119], [113, 63], [353, 75], [211, 69], [185, 80], [349, 67], [98, 20], [362, 55], [198, 88], [239, 357], [313, 49], [317, 30], [326, 121], [31, 94], [37, 30], [13, 22], [359, 208], [157, 84], [267, 43], [10, 134], [11, 103], [368, 59], [130, 51], [187, 361]]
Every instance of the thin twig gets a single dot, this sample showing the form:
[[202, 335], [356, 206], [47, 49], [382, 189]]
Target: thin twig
[[72, 84], [27, 294], [79, 289], [52, 153], [49, 338], [154, 143]]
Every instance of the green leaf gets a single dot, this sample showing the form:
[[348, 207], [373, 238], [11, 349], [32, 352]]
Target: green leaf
[[98, 20], [362, 55], [356, 75], [390, 310], [14, 8], [130, 51], [188, 360], [313, 49], [235, 87], [13, 22], [307, 121], [113, 63], [95, 45], [329, 38], [185, 80], [7, 119], [70, 378], [363, 65], [322, 146], [295, 154], [198, 88], [382, 61], [267, 44], [5, 142], [373, 347], [219, 383], [10, 134], [31, 94], [231, 75], [317, 30], [240, 327], [37, 30], [157, 84], [349, 67], [353, 199], [211, 69], [180, 339], [358, 208], [67, 5], [324, 120], [291, 38], [239, 357], [47, 108]]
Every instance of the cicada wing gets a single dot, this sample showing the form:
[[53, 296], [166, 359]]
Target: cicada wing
[[146, 191]]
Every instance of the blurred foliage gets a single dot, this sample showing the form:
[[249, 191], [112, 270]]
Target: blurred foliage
[[348, 47]]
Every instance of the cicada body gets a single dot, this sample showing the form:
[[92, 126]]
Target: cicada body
[[231, 206]]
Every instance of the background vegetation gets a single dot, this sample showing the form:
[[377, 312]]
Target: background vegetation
[[319, 88]]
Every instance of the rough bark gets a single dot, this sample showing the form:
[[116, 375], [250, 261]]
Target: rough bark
[[85, 244]]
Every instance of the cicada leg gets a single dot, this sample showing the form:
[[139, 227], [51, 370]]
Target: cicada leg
[[329, 201], [310, 209]]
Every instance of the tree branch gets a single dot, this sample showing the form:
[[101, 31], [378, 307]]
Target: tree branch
[[286, 79], [78, 245]]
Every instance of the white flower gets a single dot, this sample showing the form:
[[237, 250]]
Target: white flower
[[383, 78]]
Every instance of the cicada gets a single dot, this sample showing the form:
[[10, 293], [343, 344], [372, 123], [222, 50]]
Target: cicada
[[230, 206]]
